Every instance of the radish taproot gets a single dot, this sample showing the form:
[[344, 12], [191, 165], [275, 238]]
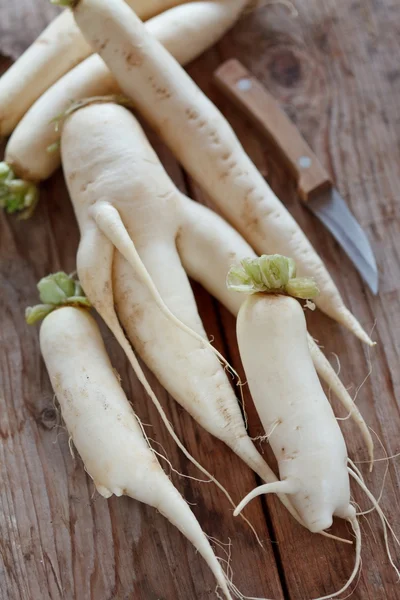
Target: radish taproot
[[303, 432], [58, 49], [32, 153], [129, 211], [98, 416], [272, 338], [203, 141]]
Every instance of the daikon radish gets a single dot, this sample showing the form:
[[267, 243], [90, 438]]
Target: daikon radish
[[99, 418], [304, 433]]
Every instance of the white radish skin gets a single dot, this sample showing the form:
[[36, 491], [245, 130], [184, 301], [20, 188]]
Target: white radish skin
[[208, 247], [104, 428], [306, 439], [108, 160], [58, 49], [186, 31], [204, 142]]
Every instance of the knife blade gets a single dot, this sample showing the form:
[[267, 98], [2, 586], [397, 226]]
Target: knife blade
[[315, 186]]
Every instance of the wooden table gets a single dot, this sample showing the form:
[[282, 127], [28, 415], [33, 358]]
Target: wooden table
[[335, 68]]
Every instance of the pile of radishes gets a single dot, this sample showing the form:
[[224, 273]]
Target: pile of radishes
[[141, 239]]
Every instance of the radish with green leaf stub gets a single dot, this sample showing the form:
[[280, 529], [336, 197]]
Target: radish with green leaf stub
[[32, 153], [203, 141], [58, 49], [130, 211], [99, 417], [304, 434]]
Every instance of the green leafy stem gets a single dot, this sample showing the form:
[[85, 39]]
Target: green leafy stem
[[270, 274], [16, 195], [56, 290]]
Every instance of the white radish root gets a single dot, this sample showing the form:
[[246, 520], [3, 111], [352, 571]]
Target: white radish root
[[307, 443], [203, 141], [104, 428], [306, 438]]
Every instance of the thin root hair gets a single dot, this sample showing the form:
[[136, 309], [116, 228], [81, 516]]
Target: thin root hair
[[357, 563], [71, 446], [266, 436], [172, 469], [387, 458], [385, 523]]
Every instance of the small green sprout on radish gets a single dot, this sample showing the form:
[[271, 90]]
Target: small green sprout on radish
[[75, 105], [58, 289], [271, 274], [16, 195]]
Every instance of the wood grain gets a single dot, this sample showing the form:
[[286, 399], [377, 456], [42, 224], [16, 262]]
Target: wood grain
[[335, 70], [21, 22]]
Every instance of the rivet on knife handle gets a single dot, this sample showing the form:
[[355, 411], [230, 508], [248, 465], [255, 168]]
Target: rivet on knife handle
[[252, 97]]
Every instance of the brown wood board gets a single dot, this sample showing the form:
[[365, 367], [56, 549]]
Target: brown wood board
[[334, 68]]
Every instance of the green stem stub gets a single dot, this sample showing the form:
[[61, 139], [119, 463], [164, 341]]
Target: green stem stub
[[75, 105], [16, 195], [67, 3], [270, 274], [56, 290]]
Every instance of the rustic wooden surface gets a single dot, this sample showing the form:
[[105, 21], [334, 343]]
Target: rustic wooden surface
[[335, 68]]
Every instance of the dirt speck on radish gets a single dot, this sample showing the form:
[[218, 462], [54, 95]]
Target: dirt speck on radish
[[134, 58]]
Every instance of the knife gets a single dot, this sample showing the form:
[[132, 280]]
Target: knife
[[315, 187]]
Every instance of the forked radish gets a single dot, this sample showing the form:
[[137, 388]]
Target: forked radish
[[304, 434], [121, 193], [58, 49], [99, 417], [32, 153], [129, 211], [203, 141]]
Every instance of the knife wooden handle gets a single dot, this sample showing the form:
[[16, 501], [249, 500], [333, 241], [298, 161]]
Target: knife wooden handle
[[252, 97]]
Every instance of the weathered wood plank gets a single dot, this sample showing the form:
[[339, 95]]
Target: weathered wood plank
[[21, 22], [334, 68]]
